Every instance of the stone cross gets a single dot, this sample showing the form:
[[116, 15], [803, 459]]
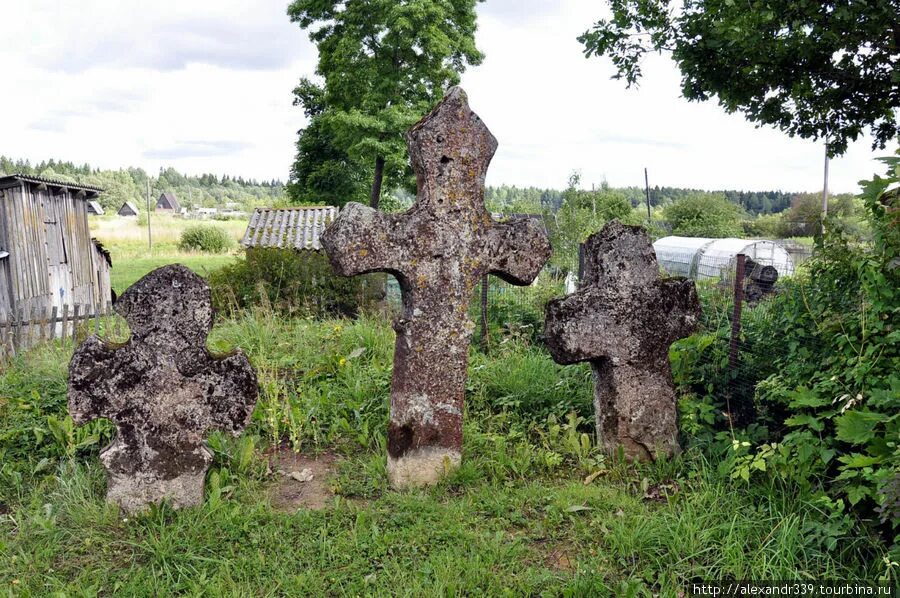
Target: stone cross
[[438, 250], [163, 390], [622, 320]]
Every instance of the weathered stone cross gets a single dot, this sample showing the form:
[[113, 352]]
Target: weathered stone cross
[[438, 250], [163, 391], [622, 319]]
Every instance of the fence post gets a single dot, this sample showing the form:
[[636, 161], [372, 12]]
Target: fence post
[[65, 322], [484, 307], [734, 348], [75, 323], [20, 317], [54, 313], [580, 263]]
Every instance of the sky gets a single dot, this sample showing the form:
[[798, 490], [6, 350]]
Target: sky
[[205, 86]]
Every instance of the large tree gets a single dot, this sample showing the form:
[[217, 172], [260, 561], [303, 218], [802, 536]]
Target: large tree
[[323, 172], [384, 63], [813, 68]]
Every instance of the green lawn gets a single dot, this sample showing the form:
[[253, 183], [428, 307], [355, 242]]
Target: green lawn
[[534, 510], [128, 270]]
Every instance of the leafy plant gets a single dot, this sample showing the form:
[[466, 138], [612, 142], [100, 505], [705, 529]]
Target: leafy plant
[[206, 238]]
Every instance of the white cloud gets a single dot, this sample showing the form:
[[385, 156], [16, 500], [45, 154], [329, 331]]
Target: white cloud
[[205, 86]]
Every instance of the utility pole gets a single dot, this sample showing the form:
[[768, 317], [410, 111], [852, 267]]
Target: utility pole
[[825, 190], [149, 232], [647, 189]]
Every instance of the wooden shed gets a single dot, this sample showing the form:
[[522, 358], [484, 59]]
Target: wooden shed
[[128, 209], [167, 202], [47, 256]]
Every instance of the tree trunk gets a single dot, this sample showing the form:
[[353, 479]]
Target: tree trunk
[[376, 184]]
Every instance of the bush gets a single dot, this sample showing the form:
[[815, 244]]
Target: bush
[[705, 215], [205, 238], [288, 281]]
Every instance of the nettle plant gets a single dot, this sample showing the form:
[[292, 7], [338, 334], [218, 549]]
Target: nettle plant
[[838, 379]]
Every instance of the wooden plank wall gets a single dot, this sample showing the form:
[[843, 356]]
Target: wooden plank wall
[[33, 285]]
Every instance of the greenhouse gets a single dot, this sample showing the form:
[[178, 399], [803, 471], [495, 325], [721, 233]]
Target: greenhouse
[[703, 259]]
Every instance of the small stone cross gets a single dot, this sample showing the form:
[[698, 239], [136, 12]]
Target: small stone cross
[[622, 319], [438, 250], [163, 390]]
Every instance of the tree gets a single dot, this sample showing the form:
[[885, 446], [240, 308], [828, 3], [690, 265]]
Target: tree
[[583, 213], [323, 172], [813, 68], [384, 63], [704, 215], [804, 219]]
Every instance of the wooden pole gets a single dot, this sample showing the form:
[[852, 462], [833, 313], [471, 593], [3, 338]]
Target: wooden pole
[[65, 322], [53, 314], [647, 191], [75, 323], [149, 231], [825, 191], [733, 353], [484, 306]]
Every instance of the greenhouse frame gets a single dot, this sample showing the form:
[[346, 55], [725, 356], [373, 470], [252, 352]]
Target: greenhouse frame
[[704, 259]]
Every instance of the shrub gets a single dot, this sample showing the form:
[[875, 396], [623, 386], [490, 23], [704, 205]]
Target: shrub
[[288, 281], [205, 238]]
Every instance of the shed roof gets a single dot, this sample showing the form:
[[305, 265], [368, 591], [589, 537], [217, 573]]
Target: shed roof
[[94, 207], [168, 201], [130, 206], [297, 228], [27, 178]]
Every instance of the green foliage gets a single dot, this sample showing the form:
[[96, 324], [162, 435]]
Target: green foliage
[[813, 68], [205, 238], [287, 281], [582, 214], [824, 358], [384, 65], [521, 516], [706, 215]]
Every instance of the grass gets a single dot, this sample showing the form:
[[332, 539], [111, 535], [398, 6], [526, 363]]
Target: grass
[[126, 238], [534, 510]]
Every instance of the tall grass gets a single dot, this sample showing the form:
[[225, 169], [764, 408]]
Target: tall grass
[[535, 508]]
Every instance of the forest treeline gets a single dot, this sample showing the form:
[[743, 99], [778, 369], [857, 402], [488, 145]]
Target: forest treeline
[[130, 184], [691, 212]]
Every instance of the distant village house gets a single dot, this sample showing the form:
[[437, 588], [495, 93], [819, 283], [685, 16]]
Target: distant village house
[[47, 256], [94, 208], [167, 202], [128, 209]]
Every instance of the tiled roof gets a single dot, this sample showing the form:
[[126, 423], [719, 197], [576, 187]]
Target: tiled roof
[[297, 228]]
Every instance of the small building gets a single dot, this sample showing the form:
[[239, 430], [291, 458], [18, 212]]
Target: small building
[[704, 259], [128, 209], [167, 202], [94, 208], [47, 256], [204, 213], [297, 228]]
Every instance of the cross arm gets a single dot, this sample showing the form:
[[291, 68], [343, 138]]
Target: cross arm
[[89, 393], [517, 250], [363, 240], [681, 306]]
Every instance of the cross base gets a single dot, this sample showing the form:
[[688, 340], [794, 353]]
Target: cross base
[[635, 409], [422, 467]]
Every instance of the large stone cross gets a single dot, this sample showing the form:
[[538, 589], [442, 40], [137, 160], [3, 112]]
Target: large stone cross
[[622, 319], [163, 391], [438, 250]]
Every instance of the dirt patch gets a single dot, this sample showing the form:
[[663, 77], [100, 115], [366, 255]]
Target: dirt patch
[[302, 481], [559, 560]]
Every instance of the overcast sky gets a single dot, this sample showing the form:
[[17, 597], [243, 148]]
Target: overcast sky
[[205, 86]]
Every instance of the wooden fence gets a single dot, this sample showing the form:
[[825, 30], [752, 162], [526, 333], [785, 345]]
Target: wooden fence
[[22, 331]]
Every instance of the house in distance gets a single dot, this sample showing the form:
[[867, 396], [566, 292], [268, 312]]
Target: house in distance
[[167, 202], [47, 256], [128, 209], [94, 208]]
